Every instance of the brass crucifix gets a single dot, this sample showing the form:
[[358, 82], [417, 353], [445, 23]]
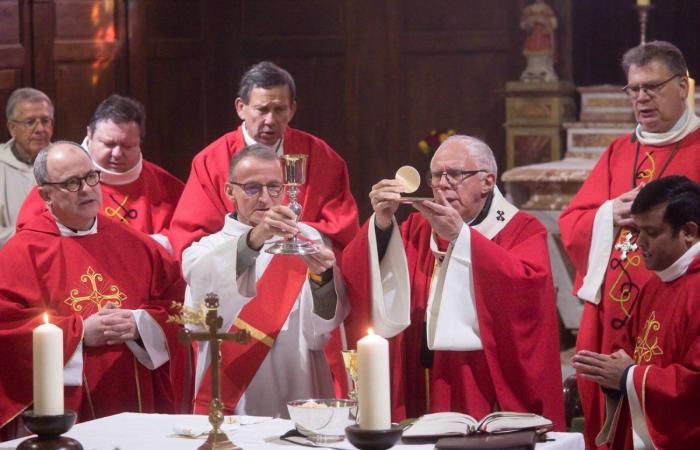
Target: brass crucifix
[[208, 316]]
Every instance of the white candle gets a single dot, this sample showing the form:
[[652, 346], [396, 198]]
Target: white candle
[[643, 2], [374, 392], [691, 95], [47, 348]]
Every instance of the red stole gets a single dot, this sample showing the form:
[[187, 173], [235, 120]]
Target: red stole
[[263, 316]]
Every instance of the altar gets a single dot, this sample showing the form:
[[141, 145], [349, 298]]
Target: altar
[[133, 431]]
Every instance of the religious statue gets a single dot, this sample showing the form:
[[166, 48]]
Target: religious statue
[[539, 22]]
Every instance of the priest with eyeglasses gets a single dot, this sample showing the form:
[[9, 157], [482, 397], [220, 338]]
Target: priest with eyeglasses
[[106, 285], [597, 228], [289, 304], [463, 290]]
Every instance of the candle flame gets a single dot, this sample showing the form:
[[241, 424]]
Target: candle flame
[[370, 331], [46, 318]]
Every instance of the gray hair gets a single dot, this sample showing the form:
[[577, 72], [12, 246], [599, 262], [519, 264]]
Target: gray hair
[[41, 171], [266, 75], [661, 51], [478, 151], [257, 151], [22, 95]]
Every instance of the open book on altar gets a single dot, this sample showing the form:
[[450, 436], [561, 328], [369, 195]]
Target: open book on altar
[[457, 424]]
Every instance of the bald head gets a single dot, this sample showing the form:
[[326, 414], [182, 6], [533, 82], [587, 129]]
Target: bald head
[[59, 169]]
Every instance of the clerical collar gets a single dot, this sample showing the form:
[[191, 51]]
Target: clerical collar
[[680, 267], [69, 232], [484, 211], [117, 178], [278, 147], [687, 123]]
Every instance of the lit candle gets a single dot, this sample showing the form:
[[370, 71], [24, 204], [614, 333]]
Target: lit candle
[[374, 393], [643, 2], [691, 94], [47, 348]]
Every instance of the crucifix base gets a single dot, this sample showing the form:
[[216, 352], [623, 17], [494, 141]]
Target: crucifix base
[[218, 441]]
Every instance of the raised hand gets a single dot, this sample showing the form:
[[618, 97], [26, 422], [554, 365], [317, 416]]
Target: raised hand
[[384, 198], [443, 218], [622, 206], [279, 220]]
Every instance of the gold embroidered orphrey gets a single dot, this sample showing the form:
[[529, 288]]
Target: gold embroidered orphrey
[[95, 296], [645, 349]]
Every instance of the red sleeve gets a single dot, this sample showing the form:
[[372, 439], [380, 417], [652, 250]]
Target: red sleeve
[[513, 285], [22, 304], [203, 205], [576, 221]]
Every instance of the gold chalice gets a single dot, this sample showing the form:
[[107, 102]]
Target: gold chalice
[[294, 175]]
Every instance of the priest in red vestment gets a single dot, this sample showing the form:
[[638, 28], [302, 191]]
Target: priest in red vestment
[[596, 227], [108, 287], [464, 290], [653, 386], [134, 191], [266, 103]]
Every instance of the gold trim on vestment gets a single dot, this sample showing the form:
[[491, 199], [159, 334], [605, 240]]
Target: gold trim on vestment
[[89, 397], [254, 332], [138, 383]]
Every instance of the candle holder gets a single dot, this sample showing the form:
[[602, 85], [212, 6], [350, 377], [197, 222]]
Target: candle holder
[[48, 430], [373, 439], [643, 12]]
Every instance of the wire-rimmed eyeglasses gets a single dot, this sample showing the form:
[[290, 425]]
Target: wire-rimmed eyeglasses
[[650, 89], [454, 177], [253, 189]]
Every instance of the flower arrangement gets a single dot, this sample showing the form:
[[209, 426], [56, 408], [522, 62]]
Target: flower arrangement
[[429, 144]]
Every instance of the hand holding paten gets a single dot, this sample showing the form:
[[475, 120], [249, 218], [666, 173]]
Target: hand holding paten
[[384, 198], [443, 218]]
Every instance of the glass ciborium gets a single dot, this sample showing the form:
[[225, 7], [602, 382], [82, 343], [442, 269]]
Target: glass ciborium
[[294, 175]]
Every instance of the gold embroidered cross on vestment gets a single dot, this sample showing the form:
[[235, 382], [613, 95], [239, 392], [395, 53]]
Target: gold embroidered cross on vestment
[[95, 296], [647, 346]]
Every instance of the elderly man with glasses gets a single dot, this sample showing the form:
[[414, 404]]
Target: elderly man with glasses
[[106, 285], [463, 289], [290, 304], [30, 123], [597, 228]]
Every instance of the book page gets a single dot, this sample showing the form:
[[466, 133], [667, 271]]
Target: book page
[[441, 424], [500, 422]]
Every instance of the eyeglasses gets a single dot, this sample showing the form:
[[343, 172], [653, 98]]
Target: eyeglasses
[[75, 183], [454, 177], [650, 89], [254, 189], [32, 123]]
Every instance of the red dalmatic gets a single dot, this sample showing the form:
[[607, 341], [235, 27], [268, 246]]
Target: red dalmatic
[[604, 327], [72, 278]]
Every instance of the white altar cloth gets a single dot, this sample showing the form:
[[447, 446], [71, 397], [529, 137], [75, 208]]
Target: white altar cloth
[[133, 431]]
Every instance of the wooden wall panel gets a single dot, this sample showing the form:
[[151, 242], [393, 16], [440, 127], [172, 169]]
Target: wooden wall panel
[[79, 52], [15, 58]]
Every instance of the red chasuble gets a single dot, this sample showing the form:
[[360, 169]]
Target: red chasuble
[[518, 368], [603, 328], [328, 204], [71, 278], [147, 204], [666, 335]]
